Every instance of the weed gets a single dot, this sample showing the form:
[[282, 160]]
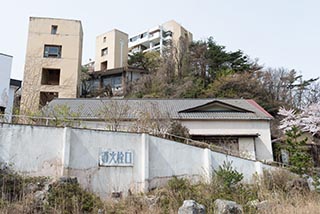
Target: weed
[[70, 197]]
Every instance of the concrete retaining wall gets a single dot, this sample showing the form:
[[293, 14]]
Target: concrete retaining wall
[[56, 152]]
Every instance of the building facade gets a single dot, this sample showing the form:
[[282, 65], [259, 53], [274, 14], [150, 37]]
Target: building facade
[[113, 47], [5, 71], [53, 62], [15, 85], [111, 50], [238, 126], [109, 83], [159, 37], [8, 88]]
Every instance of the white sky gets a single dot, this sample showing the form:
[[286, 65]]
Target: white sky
[[281, 33]]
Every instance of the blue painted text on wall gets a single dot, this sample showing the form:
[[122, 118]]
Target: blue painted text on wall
[[116, 158]]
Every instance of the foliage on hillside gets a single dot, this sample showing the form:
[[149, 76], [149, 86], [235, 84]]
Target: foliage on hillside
[[206, 69]]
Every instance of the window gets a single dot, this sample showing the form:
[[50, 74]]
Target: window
[[2, 109], [52, 51], [104, 65], [133, 39], [167, 33], [46, 97], [104, 51], [54, 29], [143, 35], [50, 76], [104, 39]]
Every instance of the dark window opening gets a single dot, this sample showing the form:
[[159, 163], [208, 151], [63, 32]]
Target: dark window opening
[[52, 51], [54, 29], [104, 51], [167, 33], [46, 97], [104, 65], [133, 39], [2, 109], [50, 76], [104, 39]]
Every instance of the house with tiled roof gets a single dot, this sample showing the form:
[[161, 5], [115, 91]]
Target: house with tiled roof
[[236, 124]]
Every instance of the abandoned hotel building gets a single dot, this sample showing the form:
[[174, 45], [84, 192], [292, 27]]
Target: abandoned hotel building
[[123, 159], [54, 52], [53, 62], [53, 67]]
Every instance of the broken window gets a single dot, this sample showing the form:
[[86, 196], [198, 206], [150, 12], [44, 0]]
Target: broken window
[[54, 29], [104, 51], [104, 65], [52, 51], [50, 76], [46, 97]]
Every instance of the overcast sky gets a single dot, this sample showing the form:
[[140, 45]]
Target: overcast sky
[[281, 33]]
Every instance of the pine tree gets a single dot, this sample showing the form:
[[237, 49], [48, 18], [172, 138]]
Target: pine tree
[[299, 159]]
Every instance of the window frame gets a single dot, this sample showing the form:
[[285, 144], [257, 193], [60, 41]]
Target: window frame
[[47, 53], [48, 76], [104, 51], [54, 29]]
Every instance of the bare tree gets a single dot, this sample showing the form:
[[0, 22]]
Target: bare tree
[[114, 113], [151, 119]]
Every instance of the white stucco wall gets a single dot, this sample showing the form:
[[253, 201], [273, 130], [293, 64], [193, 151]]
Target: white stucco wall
[[245, 166], [33, 150], [55, 152], [247, 147], [85, 146], [167, 159], [5, 71], [9, 108], [262, 145]]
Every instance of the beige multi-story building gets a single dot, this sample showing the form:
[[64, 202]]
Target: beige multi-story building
[[160, 37], [111, 50], [53, 62], [113, 47]]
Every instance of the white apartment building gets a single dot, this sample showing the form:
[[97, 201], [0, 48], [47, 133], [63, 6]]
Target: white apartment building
[[113, 47], [158, 38]]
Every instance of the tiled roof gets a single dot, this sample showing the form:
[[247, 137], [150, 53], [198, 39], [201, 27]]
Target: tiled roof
[[174, 108]]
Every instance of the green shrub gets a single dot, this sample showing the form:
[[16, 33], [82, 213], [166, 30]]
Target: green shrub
[[228, 176]]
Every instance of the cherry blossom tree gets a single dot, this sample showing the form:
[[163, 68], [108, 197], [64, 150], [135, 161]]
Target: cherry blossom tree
[[308, 119]]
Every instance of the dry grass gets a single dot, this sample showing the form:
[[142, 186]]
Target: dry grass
[[298, 204], [272, 187]]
